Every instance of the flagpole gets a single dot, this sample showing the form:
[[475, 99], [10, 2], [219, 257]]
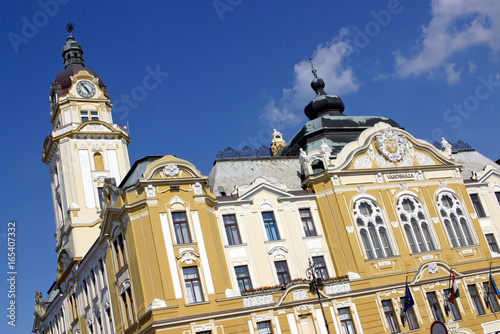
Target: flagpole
[[403, 306], [489, 291], [447, 304]]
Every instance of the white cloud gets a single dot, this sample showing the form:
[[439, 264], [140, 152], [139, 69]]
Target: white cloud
[[329, 60], [455, 25], [381, 77], [452, 76]]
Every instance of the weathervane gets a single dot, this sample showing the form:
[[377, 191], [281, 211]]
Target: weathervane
[[69, 28]]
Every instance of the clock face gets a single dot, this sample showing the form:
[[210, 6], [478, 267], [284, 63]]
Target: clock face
[[85, 88]]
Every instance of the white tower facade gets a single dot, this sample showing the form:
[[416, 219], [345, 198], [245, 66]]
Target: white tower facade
[[84, 148]]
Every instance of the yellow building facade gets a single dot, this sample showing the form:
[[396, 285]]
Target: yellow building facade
[[161, 248]]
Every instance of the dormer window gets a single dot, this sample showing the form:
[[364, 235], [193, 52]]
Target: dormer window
[[89, 115]]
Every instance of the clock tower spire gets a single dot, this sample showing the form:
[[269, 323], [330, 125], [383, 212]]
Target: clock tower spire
[[84, 148]]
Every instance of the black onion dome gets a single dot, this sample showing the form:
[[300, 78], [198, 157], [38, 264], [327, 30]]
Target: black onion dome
[[323, 103], [72, 54]]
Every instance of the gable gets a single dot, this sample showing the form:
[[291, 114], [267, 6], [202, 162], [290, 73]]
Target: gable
[[386, 147], [171, 167]]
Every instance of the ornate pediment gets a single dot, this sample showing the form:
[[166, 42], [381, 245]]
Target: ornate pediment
[[386, 147]]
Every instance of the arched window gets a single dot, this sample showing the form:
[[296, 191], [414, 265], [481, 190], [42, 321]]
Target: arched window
[[372, 229], [415, 224], [98, 162], [454, 219]]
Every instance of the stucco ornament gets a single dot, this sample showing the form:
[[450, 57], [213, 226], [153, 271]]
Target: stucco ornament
[[150, 191], [432, 268], [198, 189], [391, 144], [171, 170], [188, 257]]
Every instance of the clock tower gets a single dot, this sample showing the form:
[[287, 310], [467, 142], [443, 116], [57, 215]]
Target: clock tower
[[84, 148]]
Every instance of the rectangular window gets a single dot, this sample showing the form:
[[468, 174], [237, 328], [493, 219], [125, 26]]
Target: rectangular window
[[453, 307], [307, 223], [490, 238], [84, 115], [497, 194], [94, 116], [270, 226], [181, 228], [193, 285], [477, 205], [232, 231], [390, 316], [490, 297], [264, 327], [475, 299], [411, 318], [434, 304], [320, 264], [282, 271], [243, 277], [346, 321]]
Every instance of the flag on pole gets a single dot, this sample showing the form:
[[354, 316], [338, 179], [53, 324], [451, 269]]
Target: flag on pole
[[409, 302], [455, 293], [493, 285]]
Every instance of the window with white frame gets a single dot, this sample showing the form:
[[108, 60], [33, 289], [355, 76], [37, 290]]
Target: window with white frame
[[434, 305], [243, 277], [307, 223], [415, 224], [453, 308], [193, 284], [492, 243], [372, 229], [390, 316], [181, 227], [282, 271], [264, 327], [478, 207], [270, 226], [319, 262], [89, 115], [232, 231], [410, 316], [476, 299], [346, 321], [455, 220]]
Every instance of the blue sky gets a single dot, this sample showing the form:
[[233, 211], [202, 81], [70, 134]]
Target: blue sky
[[231, 71]]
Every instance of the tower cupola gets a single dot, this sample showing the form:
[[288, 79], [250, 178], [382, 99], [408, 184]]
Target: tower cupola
[[322, 104], [72, 52]]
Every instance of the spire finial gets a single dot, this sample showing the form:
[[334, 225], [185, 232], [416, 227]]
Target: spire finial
[[314, 71], [69, 28], [317, 84]]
